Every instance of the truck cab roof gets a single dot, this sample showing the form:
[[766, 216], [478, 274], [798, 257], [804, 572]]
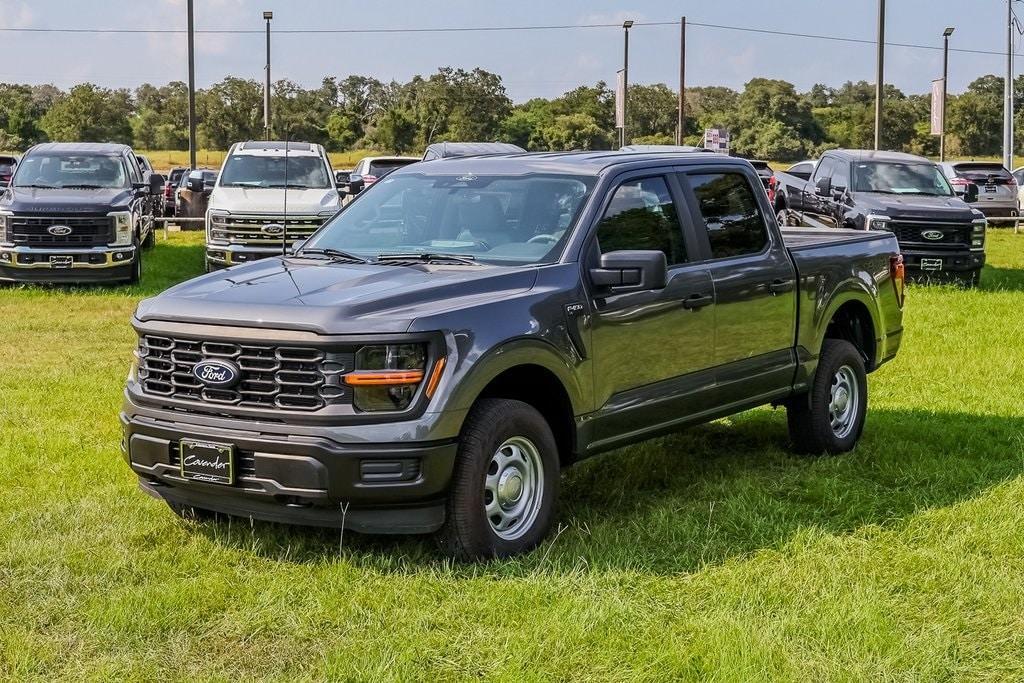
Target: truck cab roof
[[876, 155], [79, 148]]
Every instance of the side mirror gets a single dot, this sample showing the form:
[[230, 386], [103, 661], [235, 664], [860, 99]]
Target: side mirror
[[631, 270], [195, 184], [341, 177], [156, 183], [971, 193], [823, 187], [355, 183]]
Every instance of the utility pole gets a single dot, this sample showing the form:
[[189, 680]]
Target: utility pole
[[1008, 91], [880, 76], [266, 88], [681, 120], [626, 25], [945, 74], [191, 88]]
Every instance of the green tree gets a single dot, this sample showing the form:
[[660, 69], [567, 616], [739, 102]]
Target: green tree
[[574, 131], [395, 131], [773, 122], [228, 112], [652, 111], [89, 113]]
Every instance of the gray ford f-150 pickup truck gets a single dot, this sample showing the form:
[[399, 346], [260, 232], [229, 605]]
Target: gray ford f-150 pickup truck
[[433, 355]]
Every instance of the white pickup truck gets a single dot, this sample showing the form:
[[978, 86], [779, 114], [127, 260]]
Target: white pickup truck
[[268, 195]]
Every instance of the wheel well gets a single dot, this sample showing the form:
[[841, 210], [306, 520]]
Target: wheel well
[[542, 389], [852, 322]]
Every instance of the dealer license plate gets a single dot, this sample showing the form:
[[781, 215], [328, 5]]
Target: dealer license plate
[[62, 261], [931, 264], [207, 461]]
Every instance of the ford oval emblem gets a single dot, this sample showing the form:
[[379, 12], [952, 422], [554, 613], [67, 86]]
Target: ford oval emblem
[[272, 229], [220, 374], [59, 230], [932, 234]]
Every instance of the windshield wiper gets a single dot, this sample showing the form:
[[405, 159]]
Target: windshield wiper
[[83, 187], [334, 255], [429, 257], [38, 186], [289, 186]]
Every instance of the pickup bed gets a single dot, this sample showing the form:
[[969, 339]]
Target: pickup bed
[[432, 357]]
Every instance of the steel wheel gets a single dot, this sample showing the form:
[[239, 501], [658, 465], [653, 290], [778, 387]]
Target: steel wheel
[[782, 218], [513, 487], [843, 402]]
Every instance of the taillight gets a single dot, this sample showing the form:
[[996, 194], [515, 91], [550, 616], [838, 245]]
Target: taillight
[[959, 182], [369, 179], [771, 190], [897, 273]]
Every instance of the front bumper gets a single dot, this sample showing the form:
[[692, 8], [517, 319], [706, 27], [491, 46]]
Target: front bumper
[[385, 488], [936, 262], [226, 255], [56, 264]]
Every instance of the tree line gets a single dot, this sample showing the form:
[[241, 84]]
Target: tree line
[[768, 119]]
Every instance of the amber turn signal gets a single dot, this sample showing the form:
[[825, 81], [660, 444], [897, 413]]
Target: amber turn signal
[[435, 377], [386, 378]]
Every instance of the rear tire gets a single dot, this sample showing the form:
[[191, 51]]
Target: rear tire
[[504, 488], [830, 417]]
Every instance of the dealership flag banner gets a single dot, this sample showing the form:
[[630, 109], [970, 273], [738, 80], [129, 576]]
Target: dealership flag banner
[[937, 88], [620, 99]]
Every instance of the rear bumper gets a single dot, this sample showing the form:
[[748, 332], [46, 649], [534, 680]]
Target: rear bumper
[[385, 488], [93, 264]]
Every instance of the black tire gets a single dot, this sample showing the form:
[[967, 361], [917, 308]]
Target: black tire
[[191, 513], [150, 240], [810, 415], [971, 280], [136, 274], [469, 532]]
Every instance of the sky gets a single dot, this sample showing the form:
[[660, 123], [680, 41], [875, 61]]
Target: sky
[[542, 63]]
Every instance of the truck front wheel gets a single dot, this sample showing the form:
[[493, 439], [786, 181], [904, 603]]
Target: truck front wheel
[[505, 484], [830, 417]]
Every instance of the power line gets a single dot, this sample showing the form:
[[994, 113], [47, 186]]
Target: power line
[[472, 29]]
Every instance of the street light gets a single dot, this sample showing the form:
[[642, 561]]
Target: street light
[[266, 88], [626, 25], [945, 72]]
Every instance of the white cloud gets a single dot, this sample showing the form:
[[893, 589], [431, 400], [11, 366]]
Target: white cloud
[[16, 14]]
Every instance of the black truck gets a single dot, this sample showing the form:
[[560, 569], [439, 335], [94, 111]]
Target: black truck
[[940, 235], [77, 212], [433, 355]]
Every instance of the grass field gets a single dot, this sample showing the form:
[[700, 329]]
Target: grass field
[[713, 554], [165, 159]]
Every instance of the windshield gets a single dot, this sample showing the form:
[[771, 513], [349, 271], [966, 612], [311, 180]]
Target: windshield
[[71, 170], [494, 219], [379, 168], [898, 178], [248, 170]]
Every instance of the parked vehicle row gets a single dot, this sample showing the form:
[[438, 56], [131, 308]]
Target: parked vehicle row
[[77, 212], [431, 358], [940, 234]]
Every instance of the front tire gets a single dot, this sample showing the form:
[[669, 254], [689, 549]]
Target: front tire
[[505, 485], [830, 417], [136, 275]]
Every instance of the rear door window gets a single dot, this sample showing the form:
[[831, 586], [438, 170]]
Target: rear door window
[[728, 206]]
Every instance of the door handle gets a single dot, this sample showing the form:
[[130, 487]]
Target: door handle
[[779, 286], [698, 301]]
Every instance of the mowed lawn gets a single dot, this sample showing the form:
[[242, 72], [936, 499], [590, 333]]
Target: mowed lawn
[[713, 554]]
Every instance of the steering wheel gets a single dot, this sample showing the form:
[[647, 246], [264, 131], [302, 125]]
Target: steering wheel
[[537, 239]]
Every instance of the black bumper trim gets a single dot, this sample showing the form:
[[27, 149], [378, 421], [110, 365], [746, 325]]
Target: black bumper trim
[[67, 275]]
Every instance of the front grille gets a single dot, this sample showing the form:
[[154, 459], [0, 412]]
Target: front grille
[[85, 231], [953, 235], [252, 229], [284, 377]]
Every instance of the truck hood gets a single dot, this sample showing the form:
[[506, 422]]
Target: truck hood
[[271, 200], [917, 206], [332, 298], [41, 200]]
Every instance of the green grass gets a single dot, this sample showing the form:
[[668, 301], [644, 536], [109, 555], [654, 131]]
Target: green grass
[[713, 554]]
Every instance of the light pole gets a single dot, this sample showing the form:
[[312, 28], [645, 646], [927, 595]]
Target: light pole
[[266, 88], [880, 77], [945, 73], [681, 113], [191, 90], [626, 25], [1008, 91]]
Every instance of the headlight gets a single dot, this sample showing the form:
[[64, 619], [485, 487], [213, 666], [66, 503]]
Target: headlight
[[387, 377], [215, 222], [875, 222], [978, 228], [122, 228]]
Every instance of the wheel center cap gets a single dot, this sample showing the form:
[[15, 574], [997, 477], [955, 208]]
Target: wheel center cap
[[510, 486], [842, 400]]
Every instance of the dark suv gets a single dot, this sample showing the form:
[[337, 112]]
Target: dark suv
[[432, 357]]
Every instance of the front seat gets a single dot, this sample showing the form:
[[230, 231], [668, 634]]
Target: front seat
[[481, 218]]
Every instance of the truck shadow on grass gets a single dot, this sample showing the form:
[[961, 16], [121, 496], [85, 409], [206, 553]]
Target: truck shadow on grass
[[701, 497], [995, 279]]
